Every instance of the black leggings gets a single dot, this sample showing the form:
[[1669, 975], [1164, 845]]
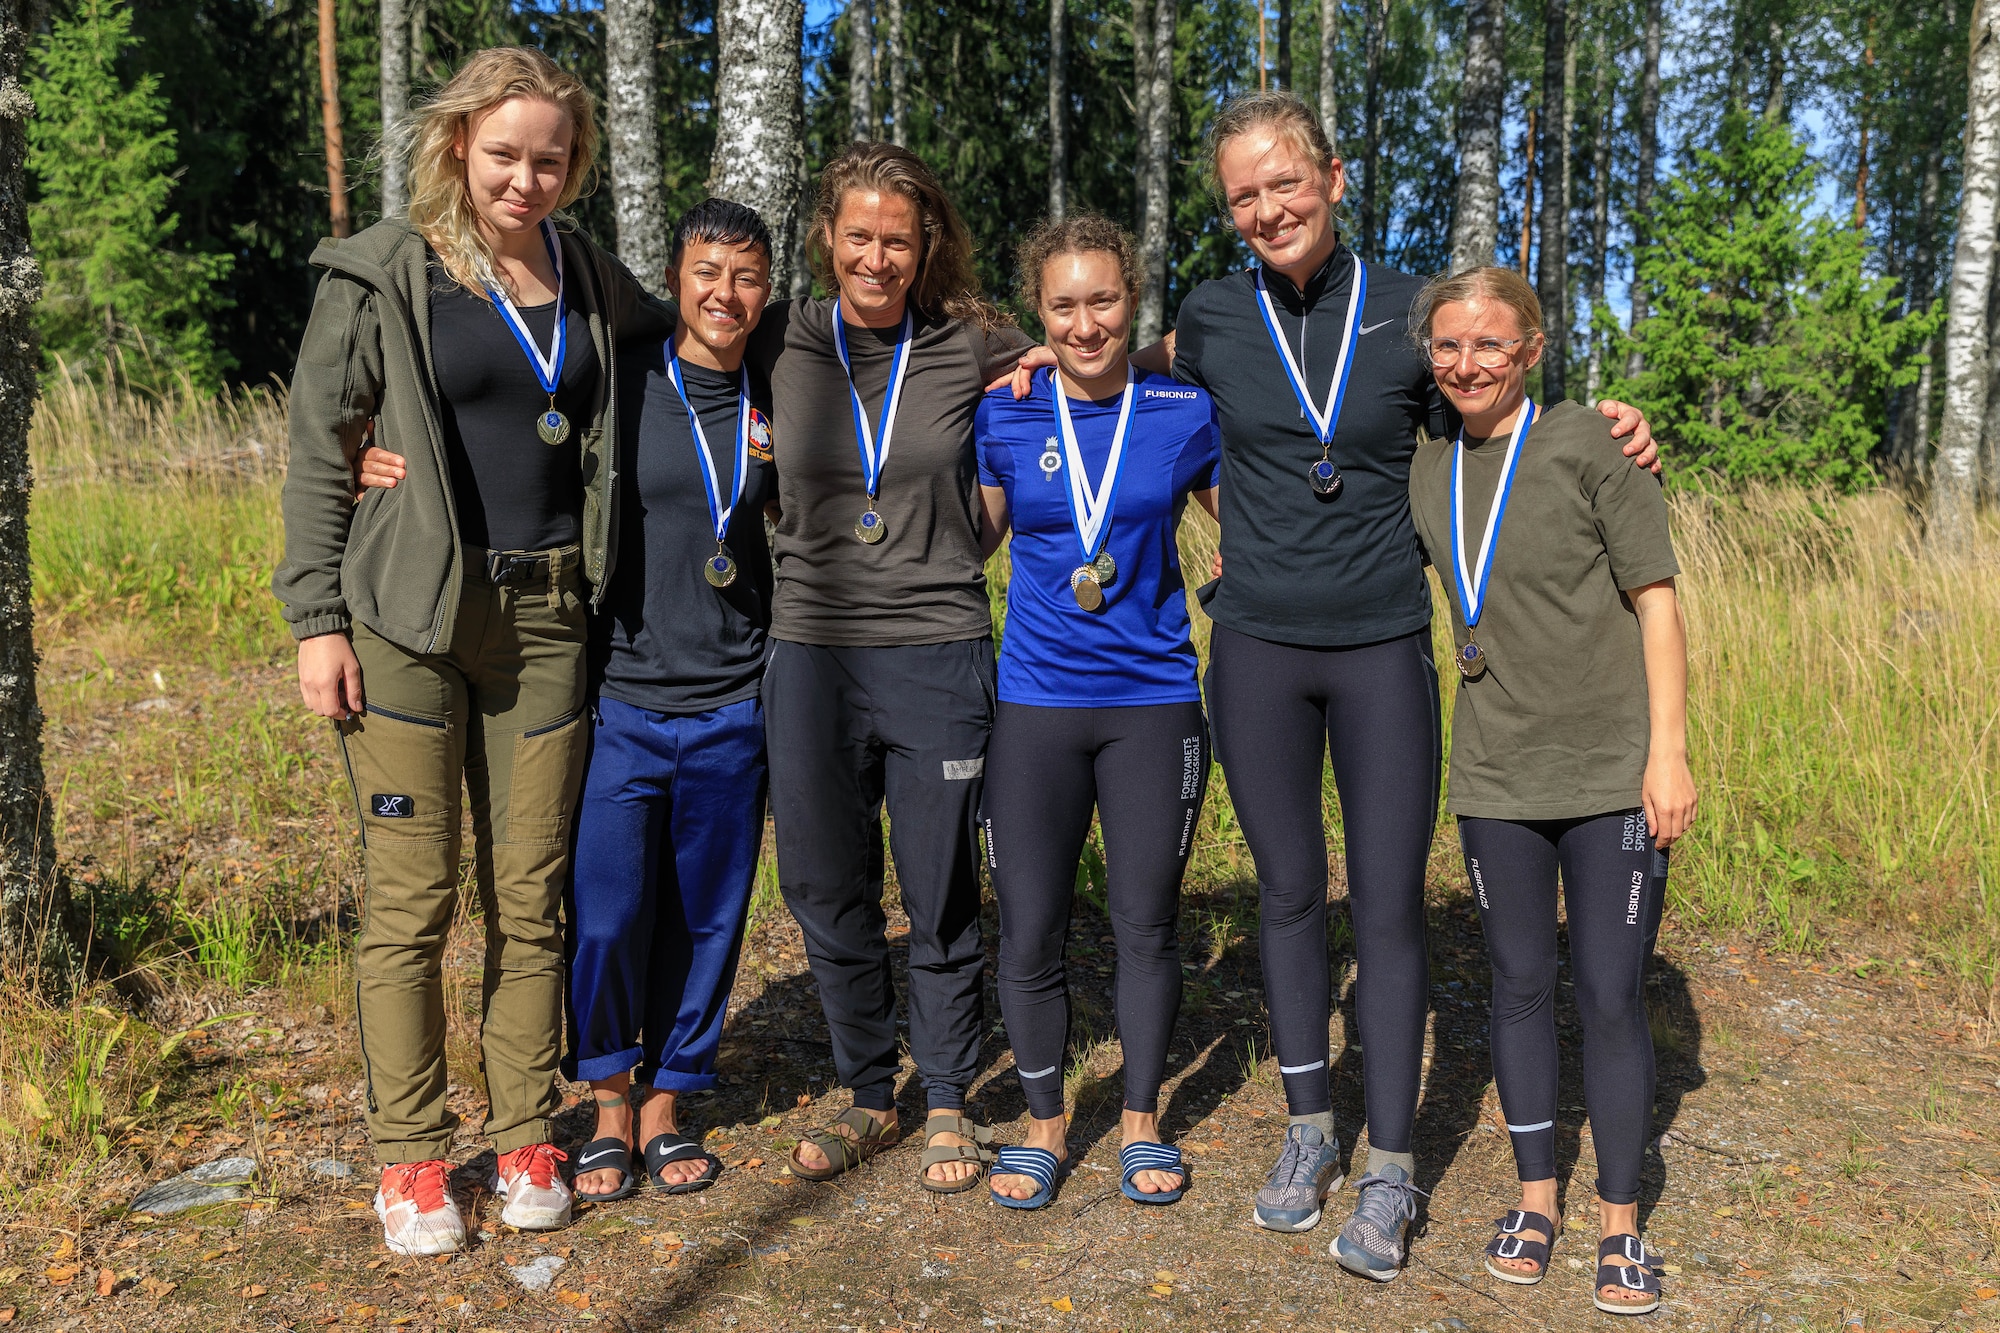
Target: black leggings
[[1277, 708], [1613, 884], [1145, 768]]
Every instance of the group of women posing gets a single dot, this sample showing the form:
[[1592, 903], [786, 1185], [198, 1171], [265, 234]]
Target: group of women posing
[[555, 589]]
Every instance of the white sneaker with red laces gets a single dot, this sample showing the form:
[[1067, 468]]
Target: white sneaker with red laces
[[529, 1180], [417, 1211]]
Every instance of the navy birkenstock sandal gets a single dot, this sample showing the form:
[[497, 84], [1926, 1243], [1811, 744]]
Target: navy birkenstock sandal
[[1632, 1271], [664, 1149], [607, 1154], [1037, 1164], [1136, 1157], [1509, 1243]]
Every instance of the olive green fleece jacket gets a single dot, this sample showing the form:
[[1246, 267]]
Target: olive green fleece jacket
[[392, 561]]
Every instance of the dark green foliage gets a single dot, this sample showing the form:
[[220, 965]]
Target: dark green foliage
[[1770, 350], [117, 299]]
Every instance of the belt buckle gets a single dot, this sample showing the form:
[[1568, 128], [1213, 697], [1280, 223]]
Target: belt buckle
[[504, 570]]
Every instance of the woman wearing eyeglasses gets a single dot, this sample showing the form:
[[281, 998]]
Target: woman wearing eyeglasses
[[1568, 745]]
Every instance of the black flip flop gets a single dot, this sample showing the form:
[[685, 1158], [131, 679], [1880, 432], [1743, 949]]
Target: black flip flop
[[606, 1154], [664, 1149]]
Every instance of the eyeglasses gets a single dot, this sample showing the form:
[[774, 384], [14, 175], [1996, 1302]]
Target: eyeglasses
[[1487, 353]]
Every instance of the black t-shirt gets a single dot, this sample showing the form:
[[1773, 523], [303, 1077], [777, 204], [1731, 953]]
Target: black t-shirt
[[512, 492], [1299, 567], [668, 640]]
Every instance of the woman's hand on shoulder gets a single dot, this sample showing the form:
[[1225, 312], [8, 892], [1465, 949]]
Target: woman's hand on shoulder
[[1626, 419], [1022, 376], [377, 467], [330, 676]]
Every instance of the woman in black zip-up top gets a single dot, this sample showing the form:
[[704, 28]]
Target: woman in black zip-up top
[[441, 623]]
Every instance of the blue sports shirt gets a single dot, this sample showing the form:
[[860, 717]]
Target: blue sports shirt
[[1135, 649]]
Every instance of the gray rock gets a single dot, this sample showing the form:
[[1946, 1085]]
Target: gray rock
[[219, 1181], [537, 1273], [327, 1166]]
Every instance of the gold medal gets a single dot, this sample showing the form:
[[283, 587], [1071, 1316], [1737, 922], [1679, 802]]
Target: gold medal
[[1106, 567], [1471, 660], [552, 425], [720, 568], [1083, 585], [869, 529]]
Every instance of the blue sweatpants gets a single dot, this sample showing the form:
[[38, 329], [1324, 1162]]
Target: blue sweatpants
[[666, 854]]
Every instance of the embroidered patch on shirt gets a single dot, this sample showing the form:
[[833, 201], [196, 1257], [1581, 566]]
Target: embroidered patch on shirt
[[760, 436], [958, 770]]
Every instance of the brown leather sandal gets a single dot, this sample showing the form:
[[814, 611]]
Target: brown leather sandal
[[975, 1152], [842, 1153]]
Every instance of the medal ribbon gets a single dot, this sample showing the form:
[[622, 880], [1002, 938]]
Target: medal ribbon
[[548, 369], [718, 512], [1472, 580], [1323, 422], [1090, 510], [874, 444]]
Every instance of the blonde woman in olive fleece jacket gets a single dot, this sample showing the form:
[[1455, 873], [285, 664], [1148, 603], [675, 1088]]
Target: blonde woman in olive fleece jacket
[[441, 623]]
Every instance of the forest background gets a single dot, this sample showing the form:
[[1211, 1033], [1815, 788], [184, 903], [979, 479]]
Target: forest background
[[1744, 215]]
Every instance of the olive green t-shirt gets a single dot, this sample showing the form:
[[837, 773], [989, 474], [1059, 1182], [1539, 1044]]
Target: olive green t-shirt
[[1557, 726]]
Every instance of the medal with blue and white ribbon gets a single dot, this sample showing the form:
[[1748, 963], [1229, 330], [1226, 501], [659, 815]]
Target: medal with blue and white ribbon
[[1474, 579], [1090, 510], [874, 444], [551, 425], [1325, 475], [720, 568]]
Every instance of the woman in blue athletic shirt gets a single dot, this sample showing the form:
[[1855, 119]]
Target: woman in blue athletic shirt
[[1098, 701]]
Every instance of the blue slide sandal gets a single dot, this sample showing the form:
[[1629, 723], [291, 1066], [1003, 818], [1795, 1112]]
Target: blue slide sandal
[[1037, 1164], [1136, 1157]]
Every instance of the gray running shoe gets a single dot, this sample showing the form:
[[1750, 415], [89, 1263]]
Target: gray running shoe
[[1371, 1244], [1307, 1171]]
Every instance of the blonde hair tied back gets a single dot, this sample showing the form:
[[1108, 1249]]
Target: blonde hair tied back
[[440, 208], [1502, 286]]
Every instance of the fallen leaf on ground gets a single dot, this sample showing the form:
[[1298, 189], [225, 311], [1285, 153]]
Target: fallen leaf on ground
[[574, 1298], [1162, 1289], [376, 1263], [6, 1314], [359, 1313], [253, 1291], [62, 1276], [155, 1287], [9, 1276], [1163, 1276], [451, 1302], [106, 1281], [1985, 1293], [1024, 1263], [65, 1249], [753, 1163], [1062, 1303]]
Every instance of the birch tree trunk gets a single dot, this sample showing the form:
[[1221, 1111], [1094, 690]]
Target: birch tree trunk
[[329, 119], [759, 157], [861, 69], [1954, 477], [1058, 112], [632, 115], [1552, 268], [1475, 218], [1329, 72], [395, 44], [1156, 163], [1371, 141], [899, 77], [420, 22], [1284, 43], [1600, 215], [34, 895], [1642, 175]]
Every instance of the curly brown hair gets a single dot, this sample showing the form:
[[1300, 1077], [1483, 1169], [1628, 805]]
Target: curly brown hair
[[947, 285], [1078, 234]]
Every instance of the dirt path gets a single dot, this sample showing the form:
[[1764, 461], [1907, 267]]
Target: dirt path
[[1829, 1164], [1829, 1161]]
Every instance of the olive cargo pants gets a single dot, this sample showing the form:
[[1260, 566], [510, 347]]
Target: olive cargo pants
[[503, 707]]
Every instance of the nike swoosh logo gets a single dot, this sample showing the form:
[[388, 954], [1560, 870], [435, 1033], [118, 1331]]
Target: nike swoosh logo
[[1370, 328], [588, 1158]]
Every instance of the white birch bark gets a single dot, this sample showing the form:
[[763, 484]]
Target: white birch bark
[[1155, 164], [1329, 74], [1475, 221], [395, 43], [420, 23], [1954, 476], [861, 69], [1058, 112], [632, 116], [759, 157], [899, 76]]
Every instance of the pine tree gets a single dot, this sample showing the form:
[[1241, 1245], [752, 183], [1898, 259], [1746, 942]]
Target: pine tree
[[1770, 351], [117, 299]]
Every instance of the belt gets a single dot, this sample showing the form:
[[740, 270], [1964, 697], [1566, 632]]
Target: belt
[[507, 569]]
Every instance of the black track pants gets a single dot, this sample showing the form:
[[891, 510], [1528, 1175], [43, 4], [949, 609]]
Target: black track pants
[[848, 730], [1145, 770], [1278, 709], [1613, 884]]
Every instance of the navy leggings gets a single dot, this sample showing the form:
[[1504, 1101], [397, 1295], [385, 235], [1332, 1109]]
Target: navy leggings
[[1278, 710], [1145, 769], [1613, 884]]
